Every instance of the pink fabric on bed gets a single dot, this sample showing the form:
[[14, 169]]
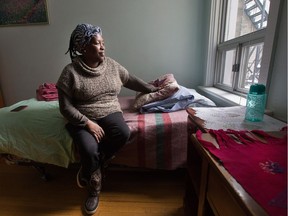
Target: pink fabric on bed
[[158, 140]]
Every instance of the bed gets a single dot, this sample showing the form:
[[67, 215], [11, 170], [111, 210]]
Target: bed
[[37, 134], [158, 140]]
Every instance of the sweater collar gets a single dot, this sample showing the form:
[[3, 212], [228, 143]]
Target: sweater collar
[[91, 71]]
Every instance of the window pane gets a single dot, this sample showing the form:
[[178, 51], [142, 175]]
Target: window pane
[[250, 65], [228, 61], [245, 16]]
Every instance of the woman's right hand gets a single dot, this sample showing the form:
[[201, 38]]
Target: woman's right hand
[[95, 130]]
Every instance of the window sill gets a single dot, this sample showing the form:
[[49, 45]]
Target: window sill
[[222, 98]]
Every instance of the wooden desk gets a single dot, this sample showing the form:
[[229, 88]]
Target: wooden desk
[[210, 189], [214, 190], [217, 189]]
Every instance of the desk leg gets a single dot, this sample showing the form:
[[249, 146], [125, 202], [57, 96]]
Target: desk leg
[[203, 187]]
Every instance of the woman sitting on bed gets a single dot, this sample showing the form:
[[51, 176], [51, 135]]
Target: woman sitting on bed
[[88, 89]]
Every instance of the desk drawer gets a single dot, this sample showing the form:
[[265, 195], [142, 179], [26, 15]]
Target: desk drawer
[[221, 200]]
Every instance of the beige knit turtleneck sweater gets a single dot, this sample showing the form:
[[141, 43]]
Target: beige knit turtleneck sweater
[[92, 91]]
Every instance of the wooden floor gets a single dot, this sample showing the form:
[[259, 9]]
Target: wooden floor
[[125, 192]]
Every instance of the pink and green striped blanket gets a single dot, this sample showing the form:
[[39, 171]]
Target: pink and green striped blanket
[[158, 140]]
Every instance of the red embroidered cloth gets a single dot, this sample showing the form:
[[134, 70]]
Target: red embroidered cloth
[[259, 167]]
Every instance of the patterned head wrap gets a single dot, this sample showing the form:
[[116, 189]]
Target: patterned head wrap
[[80, 37]]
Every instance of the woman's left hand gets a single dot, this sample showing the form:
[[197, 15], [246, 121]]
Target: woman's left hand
[[154, 88], [95, 130]]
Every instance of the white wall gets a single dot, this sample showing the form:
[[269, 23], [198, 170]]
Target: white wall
[[277, 97], [148, 37]]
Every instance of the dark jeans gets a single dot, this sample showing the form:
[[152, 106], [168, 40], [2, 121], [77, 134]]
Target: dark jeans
[[116, 135]]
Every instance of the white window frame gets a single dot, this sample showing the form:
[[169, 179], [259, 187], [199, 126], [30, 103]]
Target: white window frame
[[237, 44], [266, 35]]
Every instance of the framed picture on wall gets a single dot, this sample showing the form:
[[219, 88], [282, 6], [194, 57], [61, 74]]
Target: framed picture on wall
[[23, 12]]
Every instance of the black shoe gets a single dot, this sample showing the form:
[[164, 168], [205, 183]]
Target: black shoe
[[91, 204], [81, 181]]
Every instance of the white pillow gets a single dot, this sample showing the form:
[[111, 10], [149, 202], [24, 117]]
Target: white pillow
[[200, 100]]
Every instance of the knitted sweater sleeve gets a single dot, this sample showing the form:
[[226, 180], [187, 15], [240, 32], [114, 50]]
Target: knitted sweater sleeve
[[132, 82], [137, 84], [69, 111], [123, 72], [65, 102]]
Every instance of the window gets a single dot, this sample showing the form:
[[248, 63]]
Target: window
[[238, 38]]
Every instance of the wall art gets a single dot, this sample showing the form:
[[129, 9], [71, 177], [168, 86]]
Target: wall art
[[23, 12]]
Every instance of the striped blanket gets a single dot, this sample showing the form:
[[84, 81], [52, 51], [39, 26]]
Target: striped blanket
[[37, 133], [158, 140]]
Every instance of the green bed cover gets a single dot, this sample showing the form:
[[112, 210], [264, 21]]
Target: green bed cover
[[37, 133]]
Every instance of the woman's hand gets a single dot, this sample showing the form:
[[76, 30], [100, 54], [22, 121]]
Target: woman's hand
[[154, 88], [95, 130]]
